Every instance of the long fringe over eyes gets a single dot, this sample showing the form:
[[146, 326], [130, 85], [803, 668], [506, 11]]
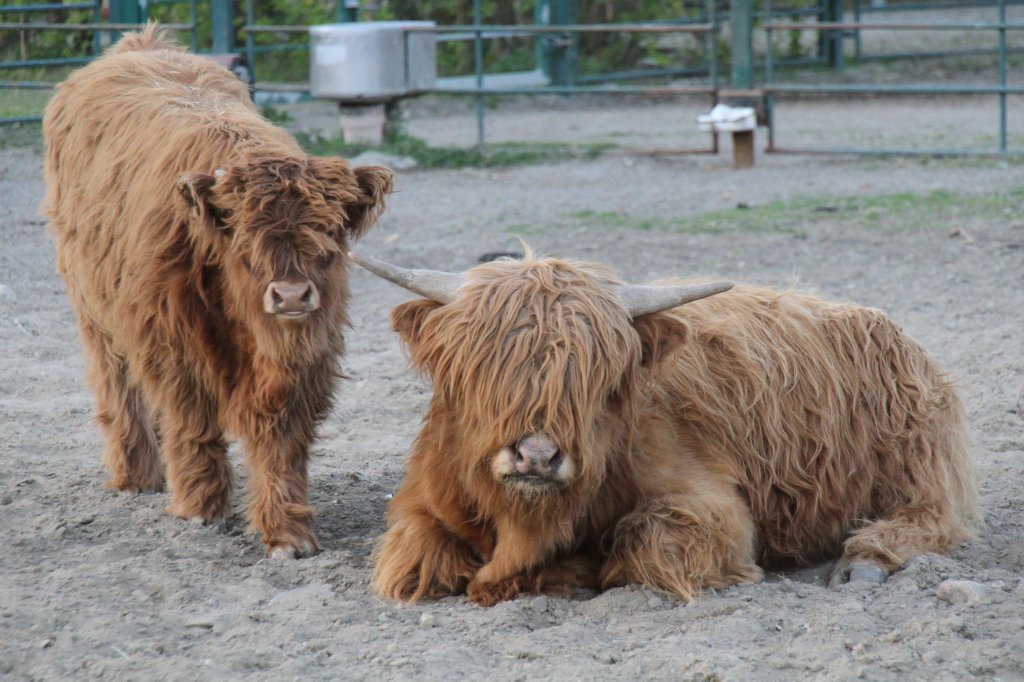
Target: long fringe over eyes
[[538, 346]]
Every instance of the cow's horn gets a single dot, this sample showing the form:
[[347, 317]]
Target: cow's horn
[[644, 300], [437, 286]]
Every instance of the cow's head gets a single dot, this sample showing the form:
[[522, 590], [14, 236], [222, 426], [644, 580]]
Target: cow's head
[[278, 228], [537, 362]]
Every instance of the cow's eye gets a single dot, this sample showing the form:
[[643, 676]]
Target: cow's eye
[[332, 233]]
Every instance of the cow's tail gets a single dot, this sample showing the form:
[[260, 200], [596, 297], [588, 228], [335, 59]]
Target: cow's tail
[[153, 37]]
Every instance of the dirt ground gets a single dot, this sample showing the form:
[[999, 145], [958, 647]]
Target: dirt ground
[[98, 585]]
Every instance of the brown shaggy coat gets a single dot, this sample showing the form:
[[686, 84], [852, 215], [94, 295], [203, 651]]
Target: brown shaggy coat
[[752, 427], [204, 255]]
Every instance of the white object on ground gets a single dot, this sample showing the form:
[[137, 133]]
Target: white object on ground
[[726, 119]]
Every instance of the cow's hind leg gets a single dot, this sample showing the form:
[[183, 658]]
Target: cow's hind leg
[[876, 550], [684, 544], [925, 503], [132, 455]]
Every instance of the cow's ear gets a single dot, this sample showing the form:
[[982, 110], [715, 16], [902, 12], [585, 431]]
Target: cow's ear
[[197, 191], [373, 184], [660, 335], [407, 319]]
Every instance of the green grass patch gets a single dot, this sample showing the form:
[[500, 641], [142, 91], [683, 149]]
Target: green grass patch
[[427, 156], [939, 210]]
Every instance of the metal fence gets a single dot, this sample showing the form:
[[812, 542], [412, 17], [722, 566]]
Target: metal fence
[[748, 30], [1000, 88]]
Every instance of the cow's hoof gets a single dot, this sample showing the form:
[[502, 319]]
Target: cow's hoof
[[219, 525], [857, 572], [287, 552]]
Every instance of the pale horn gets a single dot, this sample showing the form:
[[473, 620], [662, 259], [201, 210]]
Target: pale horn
[[437, 286], [644, 300]]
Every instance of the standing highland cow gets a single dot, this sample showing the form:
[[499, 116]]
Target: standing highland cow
[[204, 255], [588, 433]]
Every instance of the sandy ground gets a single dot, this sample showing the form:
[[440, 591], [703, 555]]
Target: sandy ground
[[98, 585]]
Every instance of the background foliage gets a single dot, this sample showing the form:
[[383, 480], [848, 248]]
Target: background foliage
[[596, 53]]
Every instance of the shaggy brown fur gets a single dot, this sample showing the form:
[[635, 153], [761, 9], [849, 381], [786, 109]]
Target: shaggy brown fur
[[175, 207], [752, 427]]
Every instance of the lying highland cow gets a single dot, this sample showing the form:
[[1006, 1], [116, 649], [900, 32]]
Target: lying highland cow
[[205, 256], [586, 433]]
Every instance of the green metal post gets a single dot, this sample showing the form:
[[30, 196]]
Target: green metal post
[[346, 11], [769, 76], [833, 40], [478, 70], [558, 54], [250, 38], [125, 12], [741, 17], [222, 14], [1002, 77], [97, 17], [193, 18]]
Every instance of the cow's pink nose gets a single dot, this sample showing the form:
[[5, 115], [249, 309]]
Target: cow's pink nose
[[537, 455], [291, 299]]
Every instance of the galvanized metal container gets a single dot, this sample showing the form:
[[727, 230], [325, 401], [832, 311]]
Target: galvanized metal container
[[371, 61]]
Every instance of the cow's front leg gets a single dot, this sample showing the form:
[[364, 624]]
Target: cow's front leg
[[197, 458], [684, 544], [278, 489], [419, 557], [561, 577], [520, 551]]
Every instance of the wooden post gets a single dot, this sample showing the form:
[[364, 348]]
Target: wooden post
[[743, 149]]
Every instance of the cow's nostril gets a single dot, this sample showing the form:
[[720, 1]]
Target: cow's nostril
[[276, 297], [556, 459], [307, 296], [519, 457]]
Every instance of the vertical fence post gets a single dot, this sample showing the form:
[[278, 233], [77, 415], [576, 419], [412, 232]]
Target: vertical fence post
[[769, 76], [557, 57], [346, 11], [741, 17], [222, 14], [478, 69], [1002, 77], [125, 12], [250, 38], [193, 18], [834, 38]]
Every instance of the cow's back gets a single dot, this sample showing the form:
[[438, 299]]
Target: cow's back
[[119, 134], [810, 406]]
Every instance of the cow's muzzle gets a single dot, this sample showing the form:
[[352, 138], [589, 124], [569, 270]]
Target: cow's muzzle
[[291, 300], [535, 461]]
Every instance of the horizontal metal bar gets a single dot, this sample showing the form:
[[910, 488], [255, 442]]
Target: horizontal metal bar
[[20, 119], [284, 47], [896, 89], [32, 63], [893, 151], [524, 29], [470, 35], [912, 6], [854, 26], [640, 74], [50, 7], [567, 28], [260, 28], [48, 26], [27, 85], [576, 90], [981, 51]]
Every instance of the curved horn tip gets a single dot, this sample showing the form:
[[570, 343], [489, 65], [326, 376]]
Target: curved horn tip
[[642, 300]]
